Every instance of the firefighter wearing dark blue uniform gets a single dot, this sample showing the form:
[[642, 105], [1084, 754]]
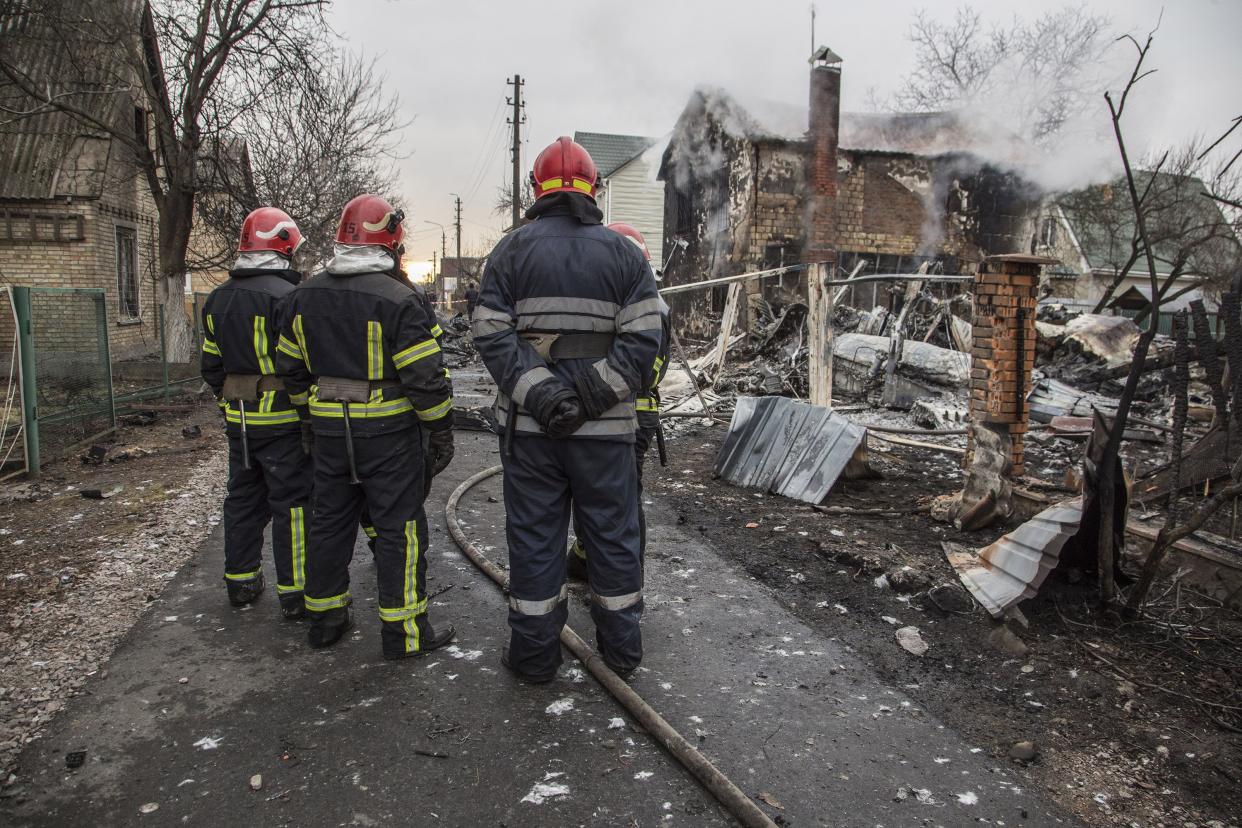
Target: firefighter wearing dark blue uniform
[[568, 325], [647, 406], [269, 472], [358, 341], [368, 528]]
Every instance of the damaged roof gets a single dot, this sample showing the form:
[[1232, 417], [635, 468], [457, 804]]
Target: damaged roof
[[612, 152], [904, 133], [50, 153]]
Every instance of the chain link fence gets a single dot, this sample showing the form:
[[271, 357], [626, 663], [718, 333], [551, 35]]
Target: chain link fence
[[60, 384]]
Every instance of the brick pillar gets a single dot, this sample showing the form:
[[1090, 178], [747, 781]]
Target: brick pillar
[[1003, 352], [1002, 359]]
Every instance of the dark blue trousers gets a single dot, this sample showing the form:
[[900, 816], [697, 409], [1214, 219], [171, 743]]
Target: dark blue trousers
[[542, 478]]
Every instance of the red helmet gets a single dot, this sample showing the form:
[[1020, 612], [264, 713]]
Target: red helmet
[[369, 219], [631, 233], [564, 167], [270, 228]]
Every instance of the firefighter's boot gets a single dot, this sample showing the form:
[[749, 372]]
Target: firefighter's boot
[[432, 642], [245, 592], [292, 606], [327, 627]]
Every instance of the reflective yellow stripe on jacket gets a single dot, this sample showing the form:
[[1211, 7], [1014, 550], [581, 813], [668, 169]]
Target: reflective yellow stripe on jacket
[[376, 408]]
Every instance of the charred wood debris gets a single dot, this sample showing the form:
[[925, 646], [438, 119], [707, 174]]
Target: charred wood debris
[[903, 372]]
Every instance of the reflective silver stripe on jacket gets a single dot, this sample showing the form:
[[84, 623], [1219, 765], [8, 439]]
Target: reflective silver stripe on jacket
[[528, 381], [613, 603], [538, 607], [619, 420], [636, 317], [613, 377], [566, 304], [487, 321], [566, 322]]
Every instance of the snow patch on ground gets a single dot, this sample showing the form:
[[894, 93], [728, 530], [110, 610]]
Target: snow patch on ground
[[547, 789], [559, 707]]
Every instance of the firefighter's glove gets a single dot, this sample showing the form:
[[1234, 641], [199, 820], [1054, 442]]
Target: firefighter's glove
[[597, 396], [566, 418], [547, 402], [308, 437], [439, 451]]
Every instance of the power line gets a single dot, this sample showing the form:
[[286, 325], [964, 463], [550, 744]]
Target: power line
[[481, 157], [501, 144]]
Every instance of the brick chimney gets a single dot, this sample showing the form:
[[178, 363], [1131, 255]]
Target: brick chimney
[[825, 121]]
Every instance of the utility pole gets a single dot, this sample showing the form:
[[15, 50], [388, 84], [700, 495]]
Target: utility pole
[[517, 119], [458, 223]]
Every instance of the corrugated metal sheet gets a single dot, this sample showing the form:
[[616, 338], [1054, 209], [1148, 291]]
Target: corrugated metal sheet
[[787, 447], [1051, 398], [1013, 568], [51, 153]]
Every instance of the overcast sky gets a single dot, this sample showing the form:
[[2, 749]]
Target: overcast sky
[[629, 67]]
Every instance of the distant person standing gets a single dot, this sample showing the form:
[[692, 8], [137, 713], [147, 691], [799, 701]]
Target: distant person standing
[[472, 299]]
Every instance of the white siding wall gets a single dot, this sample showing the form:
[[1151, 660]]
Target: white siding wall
[[634, 197]]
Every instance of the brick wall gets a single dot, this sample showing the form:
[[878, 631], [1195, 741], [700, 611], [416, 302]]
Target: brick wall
[[92, 261], [878, 207]]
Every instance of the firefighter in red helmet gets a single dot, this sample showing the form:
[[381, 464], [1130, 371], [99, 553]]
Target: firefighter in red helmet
[[269, 473], [360, 344], [647, 408], [568, 324]]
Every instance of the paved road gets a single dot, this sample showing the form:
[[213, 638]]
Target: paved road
[[200, 697]]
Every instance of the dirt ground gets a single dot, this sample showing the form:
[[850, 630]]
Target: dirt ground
[[1131, 724], [87, 547]]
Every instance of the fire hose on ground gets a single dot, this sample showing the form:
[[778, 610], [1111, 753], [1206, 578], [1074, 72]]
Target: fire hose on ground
[[708, 775]]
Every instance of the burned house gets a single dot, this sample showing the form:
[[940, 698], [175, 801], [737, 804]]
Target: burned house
[[760, 185]]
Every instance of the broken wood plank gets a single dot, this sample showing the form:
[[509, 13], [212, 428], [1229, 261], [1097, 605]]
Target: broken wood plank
[[902, 441], [727, 321], [819, 348]]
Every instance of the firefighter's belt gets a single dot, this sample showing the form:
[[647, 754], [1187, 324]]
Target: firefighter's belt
[[248, 387], [342, 389], [570, 346]]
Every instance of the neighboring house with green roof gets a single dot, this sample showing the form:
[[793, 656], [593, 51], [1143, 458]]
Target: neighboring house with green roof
[[627, 166], [1092, 231]]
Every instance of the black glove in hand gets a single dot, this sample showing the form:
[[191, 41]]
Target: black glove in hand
[[439, 450], [308, 437], [597, 396], [566, 418]]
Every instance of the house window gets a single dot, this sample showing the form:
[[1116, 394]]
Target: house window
[[127, 272], [140, 126]]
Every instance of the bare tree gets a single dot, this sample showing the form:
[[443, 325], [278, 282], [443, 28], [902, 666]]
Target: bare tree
[[1040, 70], [196, 63], [504, 199], [310, 146], [1194, 244]]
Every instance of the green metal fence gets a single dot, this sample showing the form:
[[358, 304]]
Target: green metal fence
[[65, 367], [63, 386]]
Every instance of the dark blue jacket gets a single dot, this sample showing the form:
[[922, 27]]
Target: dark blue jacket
[[565, 273]]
